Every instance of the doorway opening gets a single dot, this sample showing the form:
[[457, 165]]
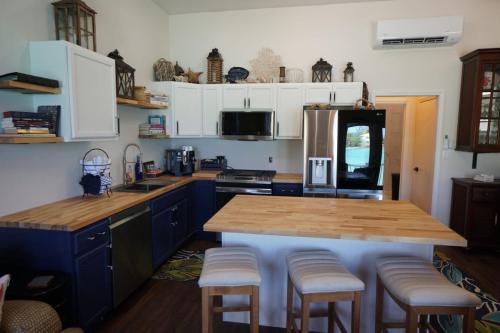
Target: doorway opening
[[410, 148]]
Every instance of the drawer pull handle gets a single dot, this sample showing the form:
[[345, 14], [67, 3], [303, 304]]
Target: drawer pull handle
[[496, 219], [91, 238], [102, 233]]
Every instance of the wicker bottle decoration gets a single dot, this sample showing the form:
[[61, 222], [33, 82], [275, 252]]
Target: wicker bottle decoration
[[214, 67]]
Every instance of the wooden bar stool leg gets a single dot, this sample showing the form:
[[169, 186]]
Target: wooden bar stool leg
[[411, 321], [206, 311], [305, 315], [356, 311], [331, 317], [254, 312], [289, 305], [423, 324], [379, 306], [469, 320]]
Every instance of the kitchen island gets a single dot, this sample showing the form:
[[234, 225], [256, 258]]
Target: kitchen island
[[357, 231]]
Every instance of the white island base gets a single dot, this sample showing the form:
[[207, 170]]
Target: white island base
[[357, 255]]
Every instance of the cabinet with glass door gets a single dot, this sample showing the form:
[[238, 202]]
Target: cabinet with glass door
[[479, 115]]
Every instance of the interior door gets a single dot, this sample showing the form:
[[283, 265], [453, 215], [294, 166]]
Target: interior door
[[321, 93], [347, 93], [234, 96], [187, 110], [93, 95], [212, 105], [423, 153], [289, 111], [393, 147], [261, 96]]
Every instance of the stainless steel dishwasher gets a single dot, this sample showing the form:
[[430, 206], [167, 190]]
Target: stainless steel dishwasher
[[131, 252]]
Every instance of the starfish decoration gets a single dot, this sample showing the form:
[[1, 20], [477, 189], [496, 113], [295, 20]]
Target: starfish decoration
[[193, 77]]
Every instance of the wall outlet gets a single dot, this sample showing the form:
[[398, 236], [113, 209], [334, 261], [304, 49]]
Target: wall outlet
[[270, 159]]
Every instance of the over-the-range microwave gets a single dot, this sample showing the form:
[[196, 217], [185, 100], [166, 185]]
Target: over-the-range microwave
[[249, 125]]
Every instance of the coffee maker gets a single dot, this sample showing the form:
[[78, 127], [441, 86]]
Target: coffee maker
[[180, 162]]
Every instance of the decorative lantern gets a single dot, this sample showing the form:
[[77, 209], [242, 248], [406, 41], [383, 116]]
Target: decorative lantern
[[214, 70], [75, 22], [322, 71], [349, 73], [125, 81]]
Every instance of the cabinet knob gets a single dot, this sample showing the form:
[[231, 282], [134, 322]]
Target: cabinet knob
[[416, 169]]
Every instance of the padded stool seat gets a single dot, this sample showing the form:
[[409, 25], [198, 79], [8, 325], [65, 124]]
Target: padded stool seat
[[320, 272], [229, 271], [319, 276], [420, 290], [416, 282], [229, 267]]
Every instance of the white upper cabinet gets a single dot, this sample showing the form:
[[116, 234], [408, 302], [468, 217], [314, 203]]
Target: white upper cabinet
[[212, 104], [234, 96], [347, 93], [88, 95], [318, 93], [187, 110], [335, 93], [246, 96], [261, 96], [289, 111]]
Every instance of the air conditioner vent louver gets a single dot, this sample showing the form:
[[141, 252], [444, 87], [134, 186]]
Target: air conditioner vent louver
[[393, 41], [435, 40]]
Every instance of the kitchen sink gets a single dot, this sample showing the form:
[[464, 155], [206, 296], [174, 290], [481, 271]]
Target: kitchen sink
[[144, 187]]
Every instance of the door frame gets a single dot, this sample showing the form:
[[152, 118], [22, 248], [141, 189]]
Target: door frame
[[440, 95]]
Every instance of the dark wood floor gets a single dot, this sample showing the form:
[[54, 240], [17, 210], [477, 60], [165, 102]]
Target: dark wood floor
[[480, 264], [175, 307], [169, 307]]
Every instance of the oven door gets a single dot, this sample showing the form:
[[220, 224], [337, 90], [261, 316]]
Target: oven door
[[226, 191]]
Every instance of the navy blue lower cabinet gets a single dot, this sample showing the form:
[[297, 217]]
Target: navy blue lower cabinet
[[288, 189], [84, 255], [93, 285], [203, 206], [162, 230]]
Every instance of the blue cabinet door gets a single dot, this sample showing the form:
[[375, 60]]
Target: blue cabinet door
[[93, 286], [180, 218], [162, 230], [288, 189], [203, 206]]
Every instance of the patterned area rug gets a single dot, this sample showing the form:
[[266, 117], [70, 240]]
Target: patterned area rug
[[184, 265], [487, 315]]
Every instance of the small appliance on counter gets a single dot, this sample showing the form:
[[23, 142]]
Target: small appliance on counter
[[219, 163], [180, 162]]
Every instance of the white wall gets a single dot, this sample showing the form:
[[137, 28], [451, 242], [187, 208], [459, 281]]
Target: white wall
[[31, 175], [341, 33]]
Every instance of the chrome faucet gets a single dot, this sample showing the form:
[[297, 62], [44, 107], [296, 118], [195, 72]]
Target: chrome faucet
[[126, 179]]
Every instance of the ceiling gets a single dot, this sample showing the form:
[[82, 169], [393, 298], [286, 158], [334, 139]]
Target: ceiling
[[198, 6]]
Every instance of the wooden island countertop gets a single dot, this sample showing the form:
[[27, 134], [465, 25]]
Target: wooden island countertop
[[371, 220]]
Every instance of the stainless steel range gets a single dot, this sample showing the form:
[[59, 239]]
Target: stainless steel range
[[231, 182]]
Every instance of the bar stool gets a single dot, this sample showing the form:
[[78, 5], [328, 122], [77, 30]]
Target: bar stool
[[229, 271], [420, 290], [318, 276]]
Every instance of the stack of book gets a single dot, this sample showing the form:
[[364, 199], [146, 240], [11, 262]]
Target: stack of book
[[156, 126], [158, 99], [42, 123]]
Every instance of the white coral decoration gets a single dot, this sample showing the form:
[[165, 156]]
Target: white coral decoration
[[266, 66]]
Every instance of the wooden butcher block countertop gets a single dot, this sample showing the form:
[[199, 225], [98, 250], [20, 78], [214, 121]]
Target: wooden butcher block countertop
[[372, 220], [76, 213]]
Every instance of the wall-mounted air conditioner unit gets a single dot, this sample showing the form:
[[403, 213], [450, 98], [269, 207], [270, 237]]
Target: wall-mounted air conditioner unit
[[420, 32]]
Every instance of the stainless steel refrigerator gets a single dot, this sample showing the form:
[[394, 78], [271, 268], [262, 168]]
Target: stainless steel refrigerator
[[343, 152]]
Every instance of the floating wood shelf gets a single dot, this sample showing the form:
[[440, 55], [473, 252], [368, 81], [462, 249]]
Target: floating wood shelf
[[28, 88], [154, 137], [139, 104], [15, 139]]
